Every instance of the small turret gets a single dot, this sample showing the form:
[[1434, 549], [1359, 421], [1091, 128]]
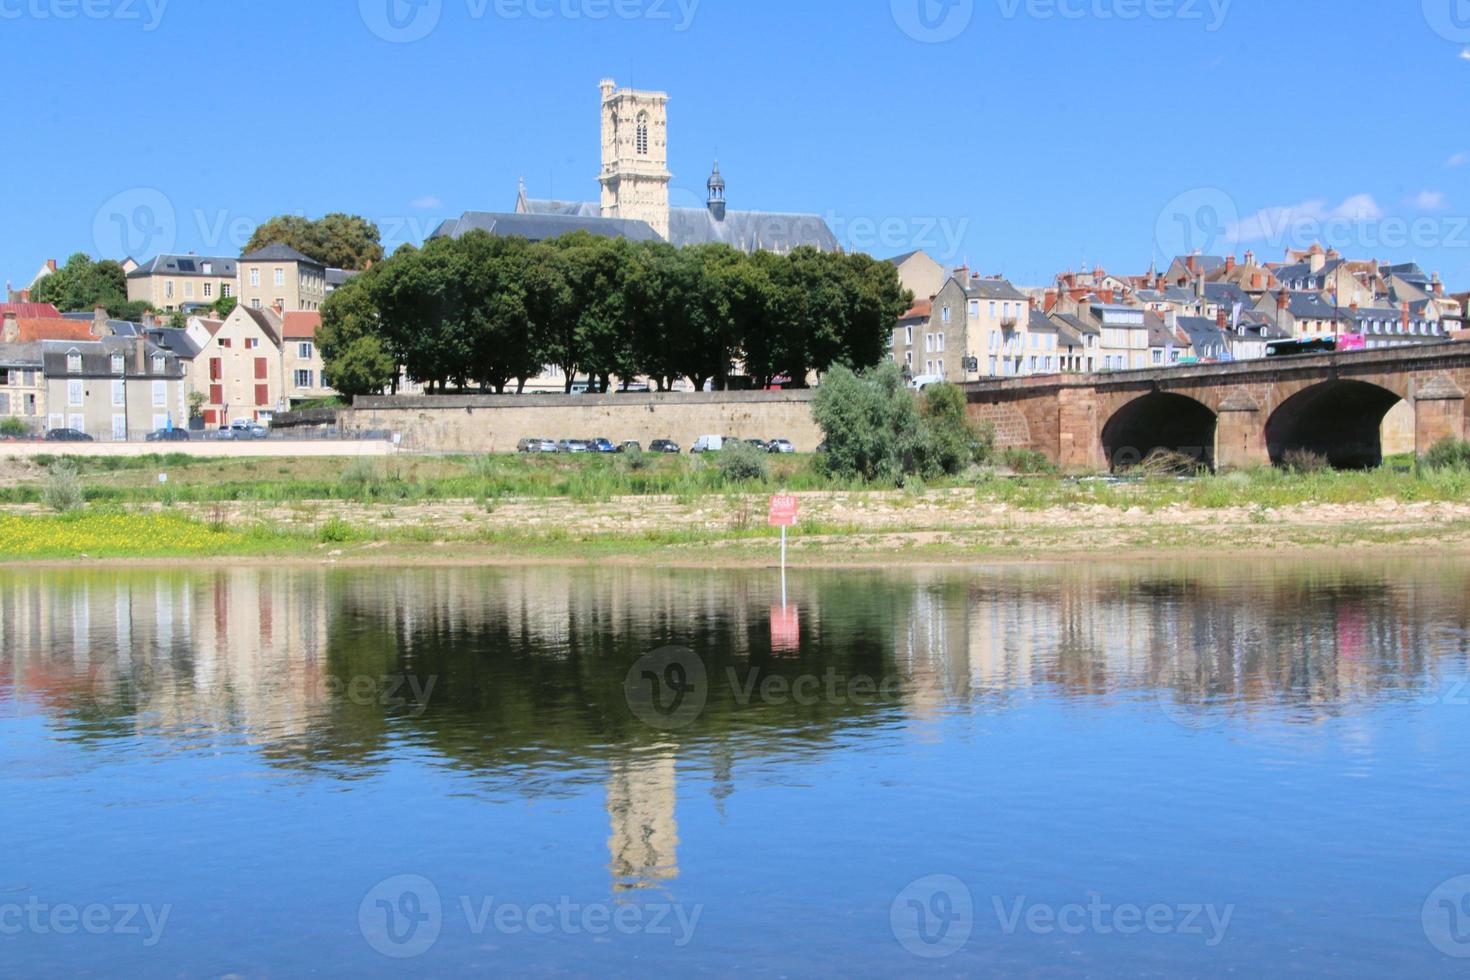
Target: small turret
[[717, 194]]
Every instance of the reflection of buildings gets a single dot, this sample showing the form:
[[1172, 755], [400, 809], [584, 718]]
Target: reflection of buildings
[[641, 796]]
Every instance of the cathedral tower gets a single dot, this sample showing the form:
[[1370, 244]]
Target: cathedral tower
[[635, 156]]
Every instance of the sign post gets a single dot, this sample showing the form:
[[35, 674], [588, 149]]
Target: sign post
[[784, 508]]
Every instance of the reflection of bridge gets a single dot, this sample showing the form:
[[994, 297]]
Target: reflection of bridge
[[1233, 415]]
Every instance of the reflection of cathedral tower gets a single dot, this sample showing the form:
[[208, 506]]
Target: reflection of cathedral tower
[[635, 156], [645, 836]]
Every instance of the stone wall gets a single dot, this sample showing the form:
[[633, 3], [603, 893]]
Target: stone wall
[[495, 423]]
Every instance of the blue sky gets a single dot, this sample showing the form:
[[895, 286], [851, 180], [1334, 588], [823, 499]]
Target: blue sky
[[1025, 136]]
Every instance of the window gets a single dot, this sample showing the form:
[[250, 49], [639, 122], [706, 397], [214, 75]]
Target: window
[[120, 428], [928, 343], [939, 368], [208, 290], [992, 309], [303, 379], [255, 277], [280, 277], [216, 368], [208, 271], [908, 336], [262, 369], [188, 289], [908, 358], [160, 394], [262, 395], [251, 343], [944, 315], [119, 393], [168, 289], [74, 393], [974, 309], [225, 342], [216, 394], [118, 363], [255, 303], [641, 134], [994, 343], [280, 302], [225, 289], [74, 363], [304, 350], [992, 367], [160, 364], [1158, 355], [939, 343]]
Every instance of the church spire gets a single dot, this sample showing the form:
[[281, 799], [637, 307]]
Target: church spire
[[717, 193]]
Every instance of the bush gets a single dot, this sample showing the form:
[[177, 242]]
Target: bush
[[335, 531], [634, 460], [1304, 461], [13, 428], [949, 441], [1027, 461], [1448, 454], [62, 491], [740, 462], [359, 473], [1168, 463]]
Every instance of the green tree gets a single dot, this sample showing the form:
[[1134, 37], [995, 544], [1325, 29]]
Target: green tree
[[871, 423], [339, 241], [224, 306], [353, 352], [81, 285]]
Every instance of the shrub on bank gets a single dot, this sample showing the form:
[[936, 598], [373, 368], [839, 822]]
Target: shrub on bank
[[62, 491], [740, 462], [1448, 454]]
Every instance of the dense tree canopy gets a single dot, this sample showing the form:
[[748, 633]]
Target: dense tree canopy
[[82, 285], [338, 241], [487, 312]]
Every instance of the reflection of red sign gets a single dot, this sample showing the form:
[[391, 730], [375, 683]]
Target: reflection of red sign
[[785, 629], [784, 508]]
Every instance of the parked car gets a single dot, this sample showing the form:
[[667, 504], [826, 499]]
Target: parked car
[[67, 435], [663, 446], [246, 429], [571, 446], [708, 444], [780, 446], [631, 446], [924, 381], [600, 446], [536, 446], [169, 435], [759, 444]]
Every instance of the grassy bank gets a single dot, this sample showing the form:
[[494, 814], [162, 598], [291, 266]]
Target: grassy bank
[[686, 509]]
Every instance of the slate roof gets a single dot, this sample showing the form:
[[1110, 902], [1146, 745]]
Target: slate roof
[[1227, 294], [1078, 325], [1204, 336], [281, 253], [1205, 264], [340, 277], [901, 259], [1309, 305], [747, 231], [186, 265], [265, 321], [987, 289], [97, 359], [541, 227], [20, 355]]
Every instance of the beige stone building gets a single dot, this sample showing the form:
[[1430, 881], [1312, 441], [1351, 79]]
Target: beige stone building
[[920, 274], [302, 371], [279, 276], [114, 389], [182, 282], [635, 156], [239, 368]]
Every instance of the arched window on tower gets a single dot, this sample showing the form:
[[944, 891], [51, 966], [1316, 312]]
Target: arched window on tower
[[642, 134]]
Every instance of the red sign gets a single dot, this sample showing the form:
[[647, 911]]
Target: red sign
[[785, 629], [784, 509]]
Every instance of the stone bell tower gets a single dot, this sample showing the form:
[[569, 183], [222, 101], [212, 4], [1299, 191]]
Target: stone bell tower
[[635, 156]]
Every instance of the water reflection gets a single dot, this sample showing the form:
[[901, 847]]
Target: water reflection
[[516, 679]]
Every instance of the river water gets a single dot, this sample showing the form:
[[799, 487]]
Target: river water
[[1088, 770]]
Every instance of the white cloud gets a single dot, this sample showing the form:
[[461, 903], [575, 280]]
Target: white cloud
[[1458, 160], [1429, 201], [1465, 54], [430, 203], [1270, 224]]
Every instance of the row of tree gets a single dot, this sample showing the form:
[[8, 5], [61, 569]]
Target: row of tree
[[491, 313]]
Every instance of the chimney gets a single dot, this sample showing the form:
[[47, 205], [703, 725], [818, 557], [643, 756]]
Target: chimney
[[100, 327], [1250, 258], [140, 354], [1220, 319], [1190, 264], [1317, 261], [51, 264], [1283, 299], [962, 273], [25, 295], [12, 328], [1229, 264], [1435, 285], [1406, 316]]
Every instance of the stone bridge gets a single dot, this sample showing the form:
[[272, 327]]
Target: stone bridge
[[1250, 413]]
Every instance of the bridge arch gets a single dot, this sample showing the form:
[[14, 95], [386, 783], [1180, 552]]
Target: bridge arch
[[1341, 420], [1160, 420]]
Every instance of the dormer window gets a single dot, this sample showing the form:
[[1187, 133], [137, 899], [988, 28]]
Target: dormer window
[[73, 362], [159, 364], [118, 363]]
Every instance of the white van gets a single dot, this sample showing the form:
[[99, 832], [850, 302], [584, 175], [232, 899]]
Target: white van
[[925, 380], [708, 444]]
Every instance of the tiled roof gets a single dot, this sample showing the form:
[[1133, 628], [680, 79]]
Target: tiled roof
[[922, 309], [35, 329], [30, 310], [301, 326]]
